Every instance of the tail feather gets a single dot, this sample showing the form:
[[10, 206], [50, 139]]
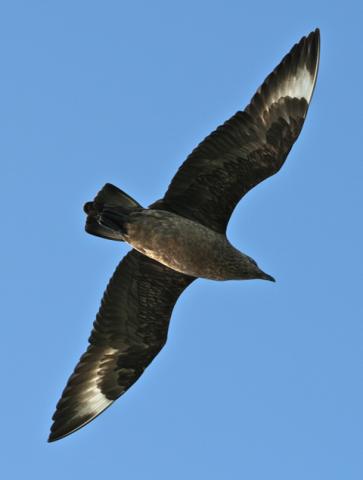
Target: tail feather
[[111, 195], [108, 211]]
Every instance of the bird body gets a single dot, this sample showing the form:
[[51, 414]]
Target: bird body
[[182, 244], [182, 236]]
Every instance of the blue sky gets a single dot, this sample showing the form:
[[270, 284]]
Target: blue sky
[[258, 380]]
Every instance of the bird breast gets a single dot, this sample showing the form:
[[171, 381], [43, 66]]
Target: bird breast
[[181, 244]]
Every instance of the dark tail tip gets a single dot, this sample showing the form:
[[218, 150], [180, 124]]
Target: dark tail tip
[[107, 212]]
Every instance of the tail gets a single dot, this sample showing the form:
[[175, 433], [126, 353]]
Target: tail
[[107, 213]]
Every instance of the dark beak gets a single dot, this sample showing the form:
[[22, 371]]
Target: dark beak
[[265, 276]]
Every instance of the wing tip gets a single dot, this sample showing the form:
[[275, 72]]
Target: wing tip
[[295, 76], [61, 429], [309, 46], [305, 54], [54, 437], [56, 433], [312, 58], [315, 45]]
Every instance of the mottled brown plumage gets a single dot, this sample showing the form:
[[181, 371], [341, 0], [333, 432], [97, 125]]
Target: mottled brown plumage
[[182, 236]]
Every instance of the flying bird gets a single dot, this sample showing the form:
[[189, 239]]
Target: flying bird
[[182, 236]]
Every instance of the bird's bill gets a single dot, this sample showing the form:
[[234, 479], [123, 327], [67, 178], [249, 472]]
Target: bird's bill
[[266, 276]]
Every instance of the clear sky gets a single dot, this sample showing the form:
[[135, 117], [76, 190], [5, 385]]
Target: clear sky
[[258, 380]]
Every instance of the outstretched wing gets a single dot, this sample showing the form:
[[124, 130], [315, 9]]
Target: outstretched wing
[[249, 147], [130, 329]]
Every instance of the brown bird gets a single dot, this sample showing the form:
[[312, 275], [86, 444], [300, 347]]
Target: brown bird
[[182, 236]]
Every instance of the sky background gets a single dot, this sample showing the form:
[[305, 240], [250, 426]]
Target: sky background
[[258, 380]]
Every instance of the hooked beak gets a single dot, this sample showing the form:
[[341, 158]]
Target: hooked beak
[[265, 276]]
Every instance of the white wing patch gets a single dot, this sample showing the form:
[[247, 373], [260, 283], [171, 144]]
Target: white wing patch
[[300, 85], [92, 401]]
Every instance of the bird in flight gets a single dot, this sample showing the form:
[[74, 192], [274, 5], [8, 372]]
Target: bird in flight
[[182, 236]]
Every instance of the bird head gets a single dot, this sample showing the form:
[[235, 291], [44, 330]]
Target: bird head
[[252, 271]]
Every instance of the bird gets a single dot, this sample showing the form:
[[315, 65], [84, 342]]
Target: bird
[[182, 236]]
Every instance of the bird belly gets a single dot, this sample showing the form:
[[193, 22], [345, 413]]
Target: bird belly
[[180, 244]]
